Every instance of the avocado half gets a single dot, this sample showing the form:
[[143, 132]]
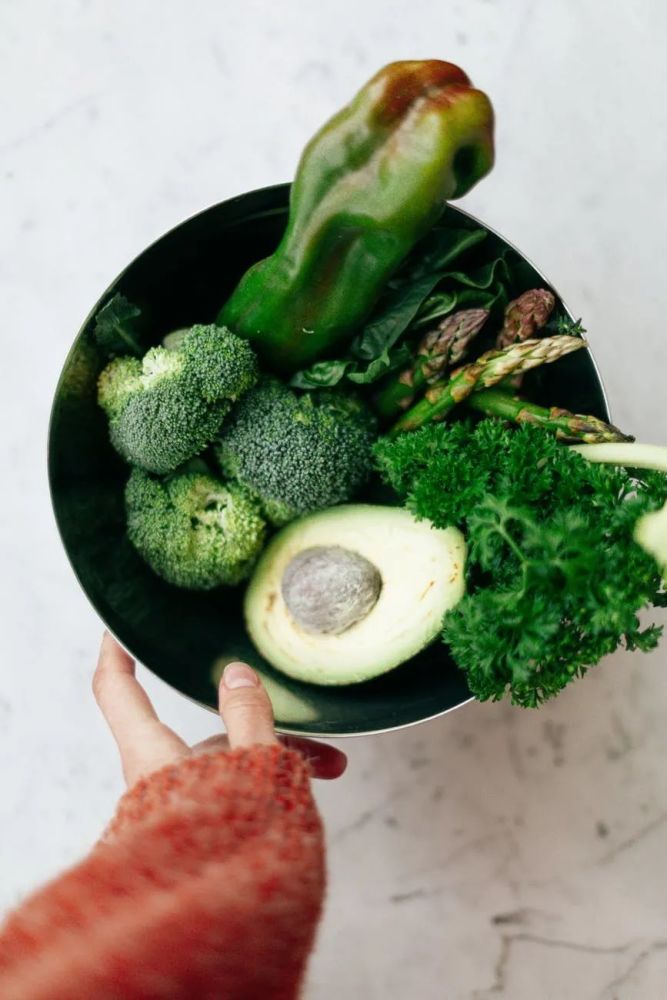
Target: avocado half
[[349, 593]]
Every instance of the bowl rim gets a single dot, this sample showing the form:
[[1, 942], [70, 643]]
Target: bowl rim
[[283, 729]]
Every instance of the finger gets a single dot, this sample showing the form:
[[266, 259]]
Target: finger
[[120, 696], [145, 743], [245, 707], [326, 761]]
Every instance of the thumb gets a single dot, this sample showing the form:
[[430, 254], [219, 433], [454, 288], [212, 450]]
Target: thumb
[[245, 707]]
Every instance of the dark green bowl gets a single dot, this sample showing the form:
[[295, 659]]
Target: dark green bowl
[[186, 637]]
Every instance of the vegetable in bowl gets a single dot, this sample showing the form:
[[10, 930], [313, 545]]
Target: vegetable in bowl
[[370, 184], [556, 579], [456, 334], [347, 594], [193, 529], [166, 408], [297, 454]]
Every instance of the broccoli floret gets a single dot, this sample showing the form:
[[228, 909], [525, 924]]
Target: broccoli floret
[[297, 453], [169, 407], [119, 380], [192, 529]]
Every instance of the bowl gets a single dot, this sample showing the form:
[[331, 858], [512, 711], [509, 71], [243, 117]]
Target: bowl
[[185, 638]]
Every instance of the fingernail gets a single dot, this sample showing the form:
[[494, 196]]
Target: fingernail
[[239, 675]]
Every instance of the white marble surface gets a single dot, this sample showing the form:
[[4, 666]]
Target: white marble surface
[[495, 854]]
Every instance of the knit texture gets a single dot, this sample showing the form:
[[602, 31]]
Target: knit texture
[[207, 884]]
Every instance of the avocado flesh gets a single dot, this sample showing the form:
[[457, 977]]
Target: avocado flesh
[[422, 574]]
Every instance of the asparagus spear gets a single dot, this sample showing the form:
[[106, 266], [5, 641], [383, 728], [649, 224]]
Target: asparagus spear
[[439, 349], [525, 316], [488, 370], [571, 427]]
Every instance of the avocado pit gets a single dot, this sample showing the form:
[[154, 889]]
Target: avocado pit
[[327, 589]]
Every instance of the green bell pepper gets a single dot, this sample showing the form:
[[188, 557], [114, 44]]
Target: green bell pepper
[[369, 185]]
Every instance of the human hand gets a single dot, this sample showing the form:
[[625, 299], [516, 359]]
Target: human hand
[[146, 744]]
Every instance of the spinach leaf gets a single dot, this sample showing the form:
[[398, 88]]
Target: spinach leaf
[[324, 374], [321, 374], [440, 248], [484, 288], [117, 327], [402, 306], [386, 362]]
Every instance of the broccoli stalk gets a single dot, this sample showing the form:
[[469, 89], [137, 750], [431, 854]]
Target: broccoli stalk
[[631, 454], [192, 529], [297, 453], [651, 528], [169, 407]]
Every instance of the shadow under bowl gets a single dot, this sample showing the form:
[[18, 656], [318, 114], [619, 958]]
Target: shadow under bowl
[[185, 638]]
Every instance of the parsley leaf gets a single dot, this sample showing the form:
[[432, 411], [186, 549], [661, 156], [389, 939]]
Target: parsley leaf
[[555, 578]]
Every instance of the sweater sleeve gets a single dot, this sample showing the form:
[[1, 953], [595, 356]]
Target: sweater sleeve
[[208, 883]]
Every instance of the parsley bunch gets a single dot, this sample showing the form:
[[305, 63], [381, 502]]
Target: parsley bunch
[[555, 579]]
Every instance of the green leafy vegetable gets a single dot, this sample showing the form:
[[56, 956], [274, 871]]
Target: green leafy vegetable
[[401, 307], [322, 374], [443, 245], [117, 328], [485, 288], [555, 576], [325, 374], [386, 362]]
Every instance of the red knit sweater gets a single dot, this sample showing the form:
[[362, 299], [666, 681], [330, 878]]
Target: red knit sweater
[[207, 884]]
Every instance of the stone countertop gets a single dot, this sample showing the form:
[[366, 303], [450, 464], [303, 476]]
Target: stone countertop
[[494, 853]]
